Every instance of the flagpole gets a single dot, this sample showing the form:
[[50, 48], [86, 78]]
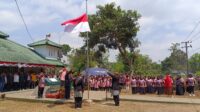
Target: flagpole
[[87, 38]]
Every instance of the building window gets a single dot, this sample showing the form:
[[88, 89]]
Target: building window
[[49, 52]]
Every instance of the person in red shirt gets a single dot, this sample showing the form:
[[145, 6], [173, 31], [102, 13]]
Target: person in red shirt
[[168, 84]]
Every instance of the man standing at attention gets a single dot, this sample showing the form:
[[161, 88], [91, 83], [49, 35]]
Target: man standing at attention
[[115, 87], [78, 90]]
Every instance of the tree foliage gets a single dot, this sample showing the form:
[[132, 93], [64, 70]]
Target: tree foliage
[[176, 62], [143, 65], [194, 62], [65, 49], [115, 28], [78, 59], [117, 67]]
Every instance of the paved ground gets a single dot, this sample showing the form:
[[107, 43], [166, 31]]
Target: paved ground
[[101, 96]]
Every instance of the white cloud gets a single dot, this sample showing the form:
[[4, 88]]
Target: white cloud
[[162, 21], [13, 23], [73, 40]]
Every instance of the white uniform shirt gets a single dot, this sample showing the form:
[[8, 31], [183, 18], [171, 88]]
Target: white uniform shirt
[[16, 77]]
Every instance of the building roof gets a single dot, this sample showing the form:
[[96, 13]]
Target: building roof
[[14, 52], [3, 35], [44, 42]]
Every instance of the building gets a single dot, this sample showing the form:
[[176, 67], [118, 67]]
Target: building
[[47, 49], [44, 53]]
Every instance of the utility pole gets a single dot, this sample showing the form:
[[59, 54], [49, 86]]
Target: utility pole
[[186, 49]]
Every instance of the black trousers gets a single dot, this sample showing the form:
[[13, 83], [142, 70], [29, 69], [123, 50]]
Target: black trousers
[[134, 90], [67, 92], [190, 89], [16, 86], [179, 90], [21, 85], [160, 90], [40, 92], [116, 100], [78, 102]]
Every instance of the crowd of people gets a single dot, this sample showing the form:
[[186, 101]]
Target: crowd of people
[[142, 85], [19, 80], [110, 82], [100, 82]]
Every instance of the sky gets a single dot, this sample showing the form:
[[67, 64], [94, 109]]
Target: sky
[[163, 22]]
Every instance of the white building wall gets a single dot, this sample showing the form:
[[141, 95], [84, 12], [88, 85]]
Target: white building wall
[[53, 52], [42, 50], [47, 51]]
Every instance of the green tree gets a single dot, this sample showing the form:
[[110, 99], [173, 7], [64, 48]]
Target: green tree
[[194, 62], [143, 65], [78, 59], [65, 49], [115, 28], [100, 55], [117, 67], [176, 61]]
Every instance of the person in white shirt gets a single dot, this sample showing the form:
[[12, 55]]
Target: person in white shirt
[[28, 85], [16, 81]]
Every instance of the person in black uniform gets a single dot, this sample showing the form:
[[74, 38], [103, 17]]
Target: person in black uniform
[[68, 80], [78, 90], [115, 88]]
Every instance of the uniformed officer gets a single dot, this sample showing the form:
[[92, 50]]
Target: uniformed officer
[[68, 80], [115, 88], [78, 90]]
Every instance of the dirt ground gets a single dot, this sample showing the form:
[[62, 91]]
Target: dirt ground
[[125, 106], [186, 95]]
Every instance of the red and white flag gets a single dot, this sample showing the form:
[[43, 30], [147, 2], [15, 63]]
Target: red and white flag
[[77, 25]]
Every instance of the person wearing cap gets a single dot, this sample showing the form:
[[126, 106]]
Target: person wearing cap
[[78, 90], [115, 88]]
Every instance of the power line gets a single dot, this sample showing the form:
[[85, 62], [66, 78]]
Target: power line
[[196, 35], [23, 21], [194, 51], [192, 31]]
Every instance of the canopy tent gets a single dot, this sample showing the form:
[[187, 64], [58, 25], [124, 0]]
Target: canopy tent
[[95, 72]]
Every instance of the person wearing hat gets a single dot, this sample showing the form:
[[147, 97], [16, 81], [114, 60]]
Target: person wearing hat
[[115, 88], [78, 90]]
